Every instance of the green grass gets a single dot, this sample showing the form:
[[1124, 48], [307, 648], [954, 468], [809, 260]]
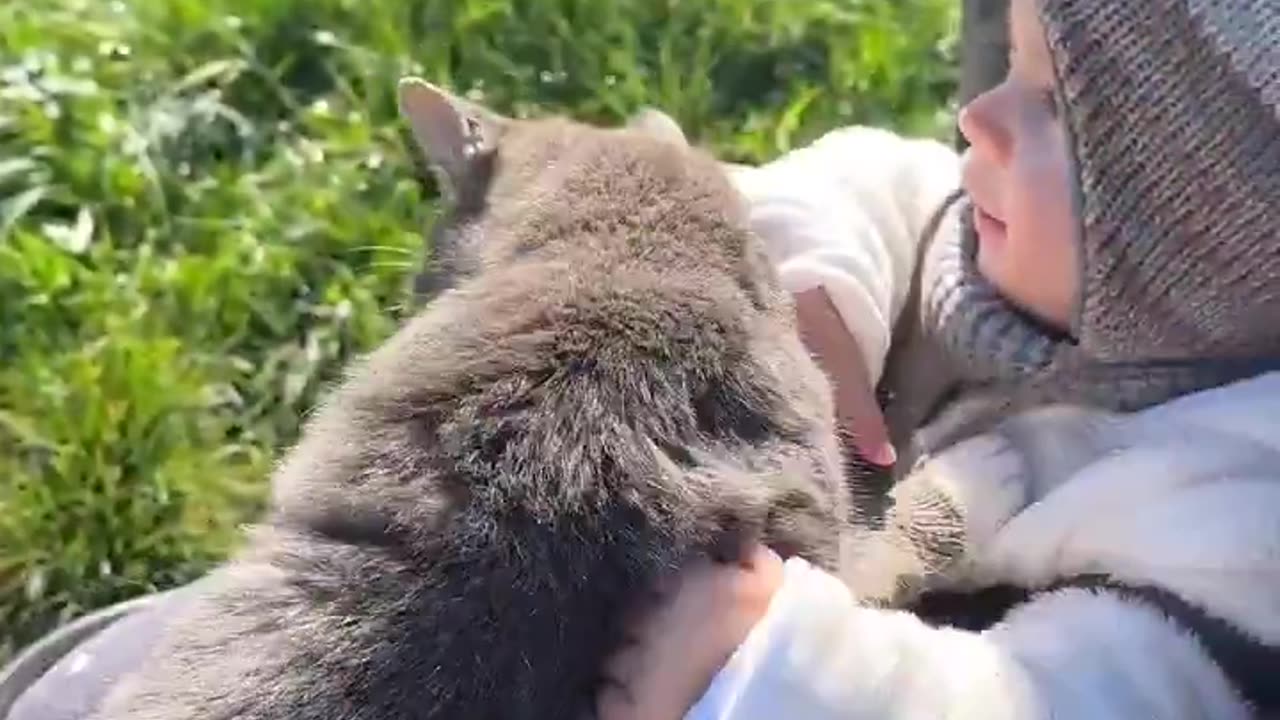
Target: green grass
[[206, 207]]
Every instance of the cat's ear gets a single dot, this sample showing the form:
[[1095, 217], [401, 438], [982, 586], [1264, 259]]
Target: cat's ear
[[658, 124], [454, 134]]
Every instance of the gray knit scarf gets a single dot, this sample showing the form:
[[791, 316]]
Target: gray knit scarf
[[965, 358]]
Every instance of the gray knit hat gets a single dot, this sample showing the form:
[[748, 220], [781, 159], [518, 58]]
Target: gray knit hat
[[1173, 109], [1173, 114]]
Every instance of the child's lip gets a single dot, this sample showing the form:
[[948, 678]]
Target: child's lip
[[989, 227]]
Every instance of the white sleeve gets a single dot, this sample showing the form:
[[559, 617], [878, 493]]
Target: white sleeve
[[847, 213], [1072, 654]]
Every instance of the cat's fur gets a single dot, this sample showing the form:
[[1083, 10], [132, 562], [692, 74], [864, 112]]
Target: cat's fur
[[609, 384]]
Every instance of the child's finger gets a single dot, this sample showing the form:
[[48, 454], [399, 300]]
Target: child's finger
[[837, 353], [762, 556], [615, 702], [623, 667], [862, 423]]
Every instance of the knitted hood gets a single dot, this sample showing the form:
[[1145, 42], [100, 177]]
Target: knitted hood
[[1173, 113]]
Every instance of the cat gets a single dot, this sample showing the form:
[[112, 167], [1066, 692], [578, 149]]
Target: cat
[[607, 382]]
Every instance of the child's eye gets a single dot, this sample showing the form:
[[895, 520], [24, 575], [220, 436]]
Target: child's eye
[[1050, 99]]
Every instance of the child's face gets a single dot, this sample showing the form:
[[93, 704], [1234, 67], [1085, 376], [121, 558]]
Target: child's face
[[1018, 177]]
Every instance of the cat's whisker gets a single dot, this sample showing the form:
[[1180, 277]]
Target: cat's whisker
[[391, 264], [383, 248]]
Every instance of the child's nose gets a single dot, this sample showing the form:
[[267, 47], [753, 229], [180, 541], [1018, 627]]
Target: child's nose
[[980, 124]]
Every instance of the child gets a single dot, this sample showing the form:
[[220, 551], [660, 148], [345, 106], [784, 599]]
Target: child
[[1117, 248]]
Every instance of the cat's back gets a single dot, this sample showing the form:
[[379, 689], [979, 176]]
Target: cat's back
[[610, 384]]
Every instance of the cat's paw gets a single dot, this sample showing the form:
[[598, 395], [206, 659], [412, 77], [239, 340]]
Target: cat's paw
[[984, 481]]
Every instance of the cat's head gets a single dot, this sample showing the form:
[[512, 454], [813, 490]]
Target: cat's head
[[485, 163], [616, 205]]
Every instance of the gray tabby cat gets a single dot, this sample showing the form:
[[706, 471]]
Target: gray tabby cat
[[609, 384]]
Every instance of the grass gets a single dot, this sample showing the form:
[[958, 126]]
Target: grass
[[206, 206]]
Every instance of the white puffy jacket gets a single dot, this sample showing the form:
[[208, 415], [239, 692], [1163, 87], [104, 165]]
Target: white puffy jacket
[[1181, 503]]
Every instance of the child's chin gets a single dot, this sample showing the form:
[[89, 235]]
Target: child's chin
[[989, 265]]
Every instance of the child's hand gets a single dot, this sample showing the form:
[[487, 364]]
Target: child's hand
[[837, 353], [682, 643]]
